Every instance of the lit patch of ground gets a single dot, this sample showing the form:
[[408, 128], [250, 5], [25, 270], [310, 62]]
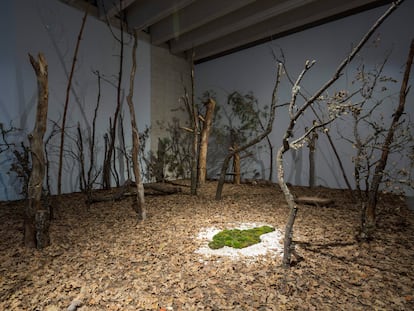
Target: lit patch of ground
[[270, 243]]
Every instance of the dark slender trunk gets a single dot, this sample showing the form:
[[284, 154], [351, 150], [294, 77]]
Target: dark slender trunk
[[65, 109], [312, 148], [111, 148], [370, 212]]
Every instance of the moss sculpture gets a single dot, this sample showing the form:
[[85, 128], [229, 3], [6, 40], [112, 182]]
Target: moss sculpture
[[237, 238]]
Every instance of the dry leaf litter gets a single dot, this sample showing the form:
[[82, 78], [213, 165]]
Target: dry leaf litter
[[101, 258]]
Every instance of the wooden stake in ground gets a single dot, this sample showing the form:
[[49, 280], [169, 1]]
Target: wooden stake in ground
[[36, 222], [236, 166], [205, 133], [140, 202]]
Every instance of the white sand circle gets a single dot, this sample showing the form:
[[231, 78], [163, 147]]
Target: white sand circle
[[270, 243]]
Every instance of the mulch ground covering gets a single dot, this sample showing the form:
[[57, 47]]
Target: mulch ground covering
[[101, 258]]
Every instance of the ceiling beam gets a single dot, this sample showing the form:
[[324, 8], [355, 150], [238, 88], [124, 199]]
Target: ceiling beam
[[240, 19], [83, 6], [144, 13], [196, 14], [288, 22], [110, 8]]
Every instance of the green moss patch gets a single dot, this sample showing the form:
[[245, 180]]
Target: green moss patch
[[237, 238]]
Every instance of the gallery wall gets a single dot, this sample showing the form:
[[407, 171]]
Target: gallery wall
[[52, 28]]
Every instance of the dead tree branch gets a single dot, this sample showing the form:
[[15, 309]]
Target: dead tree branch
[[140, 202], [65, 109], [370, 217]]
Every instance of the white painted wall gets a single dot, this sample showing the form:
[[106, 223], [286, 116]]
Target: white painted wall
[[169, 75], [253, 70], [50, 27]]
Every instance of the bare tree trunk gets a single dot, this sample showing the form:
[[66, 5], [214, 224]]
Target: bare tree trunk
[[236, 167], [140, 202], [106, 172], [270, 158], [124, 150], [91, 179], [65, 109], [36, 223], [370, 211], [105, 175], [288, 247], [312, 148], [335, 151], [196, 128], [192, 111], [205, 133], [82, 174], [293, 209]]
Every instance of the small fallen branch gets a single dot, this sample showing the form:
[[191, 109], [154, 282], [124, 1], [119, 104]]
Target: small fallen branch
[[129, 189], [317, 201]]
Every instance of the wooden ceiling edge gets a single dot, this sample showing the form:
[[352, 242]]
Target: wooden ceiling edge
[[275, 36]]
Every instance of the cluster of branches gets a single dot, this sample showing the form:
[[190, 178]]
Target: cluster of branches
[[296, 112], [370, 129]]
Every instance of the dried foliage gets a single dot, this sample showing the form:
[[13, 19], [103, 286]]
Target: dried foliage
[[173, 156], [21, 167], [102, 259]]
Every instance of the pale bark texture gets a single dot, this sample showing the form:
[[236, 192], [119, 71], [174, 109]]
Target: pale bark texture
[[36, 222], [370, 210], [204, 136], [140, 201], [288, 246]]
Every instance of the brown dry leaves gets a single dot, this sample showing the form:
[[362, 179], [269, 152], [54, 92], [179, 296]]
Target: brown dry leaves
[[103, 259]]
